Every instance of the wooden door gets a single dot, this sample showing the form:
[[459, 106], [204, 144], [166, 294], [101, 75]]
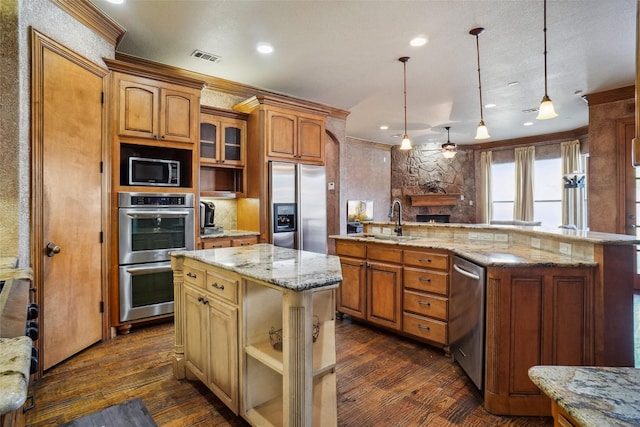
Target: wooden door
[[311, 140], [631, 209], [67, 199], [281, 135], [179, 115], [223, 352], [196, 337], [138, 109], [352, 298]]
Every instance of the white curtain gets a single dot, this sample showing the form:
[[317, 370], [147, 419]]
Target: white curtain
[[573, 209], [523, 203], [486, 202]]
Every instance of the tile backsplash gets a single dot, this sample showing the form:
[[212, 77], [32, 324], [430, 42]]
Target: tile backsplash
[[226, 212]]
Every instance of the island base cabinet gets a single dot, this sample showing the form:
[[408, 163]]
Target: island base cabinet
[[535, 316], [288, 378]]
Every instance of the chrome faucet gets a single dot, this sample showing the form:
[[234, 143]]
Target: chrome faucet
[[398, 227]]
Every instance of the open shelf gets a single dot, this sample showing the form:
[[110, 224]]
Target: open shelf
[[434, 199]]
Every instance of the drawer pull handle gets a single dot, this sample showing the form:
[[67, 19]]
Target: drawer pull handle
[[425, 303], [193, 276], [424, 279], [203, 300], [215, 285], [426, 328], [462, 352], [424, 259]]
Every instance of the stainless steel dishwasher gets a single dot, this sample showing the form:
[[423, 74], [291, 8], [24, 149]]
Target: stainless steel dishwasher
[[466, 318]]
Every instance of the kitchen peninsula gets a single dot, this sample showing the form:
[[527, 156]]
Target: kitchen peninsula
[[552, 297], [256, 324]]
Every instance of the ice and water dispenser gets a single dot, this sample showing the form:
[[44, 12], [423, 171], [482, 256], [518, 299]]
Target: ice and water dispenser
[[284, 218]]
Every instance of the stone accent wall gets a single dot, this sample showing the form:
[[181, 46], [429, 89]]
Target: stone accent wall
[[426, 171]]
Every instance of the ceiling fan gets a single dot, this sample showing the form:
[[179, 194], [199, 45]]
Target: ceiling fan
[[448, 149]]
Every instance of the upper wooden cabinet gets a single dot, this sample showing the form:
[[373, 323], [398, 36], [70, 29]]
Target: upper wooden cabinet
[[156, 110], [223, 140], [286, 130]]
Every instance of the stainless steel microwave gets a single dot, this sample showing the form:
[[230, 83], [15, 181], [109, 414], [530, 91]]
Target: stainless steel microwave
[[154, 172]]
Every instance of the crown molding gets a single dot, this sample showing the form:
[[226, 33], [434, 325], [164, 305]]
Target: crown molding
[[578, 133], [92, 17], [613, 95]]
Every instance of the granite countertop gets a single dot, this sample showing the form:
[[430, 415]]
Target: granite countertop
[[15, 362], [230, 233], [488, 254], [283, 267], [592, 396]]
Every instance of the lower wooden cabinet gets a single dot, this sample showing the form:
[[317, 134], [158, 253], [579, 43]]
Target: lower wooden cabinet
[[211, 332], [384, 294], [225, 242]]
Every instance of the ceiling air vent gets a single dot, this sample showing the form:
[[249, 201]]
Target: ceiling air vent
[[206, 56]]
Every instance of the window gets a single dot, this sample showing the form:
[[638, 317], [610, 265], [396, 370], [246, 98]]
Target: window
[[547, 189]]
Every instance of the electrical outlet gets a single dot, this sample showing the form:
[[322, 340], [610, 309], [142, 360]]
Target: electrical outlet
[[473, 236], [485, 236], [535, 242], [375, 230], [500, 237], [565, 248]]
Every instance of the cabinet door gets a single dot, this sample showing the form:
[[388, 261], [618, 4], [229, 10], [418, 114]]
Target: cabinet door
[[196, 333], [223, 352], [179, 113], [233, 134], [138, 109], [310, 140], [281, 134], [209, 139], [352, 291], [384, 294]]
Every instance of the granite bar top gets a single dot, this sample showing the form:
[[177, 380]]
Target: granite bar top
[[283, 267], [15, 362], [488, 254], [230, 233], [593, 396], [7, 262]]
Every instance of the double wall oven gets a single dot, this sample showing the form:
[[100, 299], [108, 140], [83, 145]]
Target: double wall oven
[[150, 226]]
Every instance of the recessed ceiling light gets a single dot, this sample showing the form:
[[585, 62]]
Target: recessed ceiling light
[[528, 123], [418, 41], [116, 1], [264, 48], [489, 105], [384, 127]]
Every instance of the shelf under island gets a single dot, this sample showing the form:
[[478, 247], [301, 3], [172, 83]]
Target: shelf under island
[[256, 324]]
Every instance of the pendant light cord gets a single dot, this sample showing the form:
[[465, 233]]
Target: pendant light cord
[[404, 63], [544, 30], [479, 81]]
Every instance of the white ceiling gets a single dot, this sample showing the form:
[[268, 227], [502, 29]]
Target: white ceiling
[[345, 54]]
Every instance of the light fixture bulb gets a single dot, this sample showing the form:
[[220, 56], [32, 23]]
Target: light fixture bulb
[[448, 154], [546, 110], [482, 132], [406, 143]]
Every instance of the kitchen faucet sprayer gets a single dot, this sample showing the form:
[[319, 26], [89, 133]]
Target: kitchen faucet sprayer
[[398, 226]]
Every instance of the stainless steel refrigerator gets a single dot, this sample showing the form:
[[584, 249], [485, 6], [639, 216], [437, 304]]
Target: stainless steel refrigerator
[[298, 207]]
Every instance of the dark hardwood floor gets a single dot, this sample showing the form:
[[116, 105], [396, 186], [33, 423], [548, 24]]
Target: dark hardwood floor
[[383, 380]]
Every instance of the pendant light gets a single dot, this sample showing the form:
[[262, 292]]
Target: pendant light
[[546, 110], [448, 148], [482, 132], [406, 142]]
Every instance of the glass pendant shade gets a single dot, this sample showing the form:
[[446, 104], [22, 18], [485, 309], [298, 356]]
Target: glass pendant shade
[[406, 143], [482, 132], [546, 110], [449, 150]]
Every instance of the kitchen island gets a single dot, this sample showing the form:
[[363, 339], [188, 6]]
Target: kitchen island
[[256, 324], [552, 297]]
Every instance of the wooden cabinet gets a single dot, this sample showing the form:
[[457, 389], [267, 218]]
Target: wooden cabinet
[[404, 290], [426, 295], [211, 330], [222, 152], [535, 316], [148, 108], [294, 136], [225, 242]]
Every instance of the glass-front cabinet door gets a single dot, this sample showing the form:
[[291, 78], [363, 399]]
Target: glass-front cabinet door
[[222, 141]]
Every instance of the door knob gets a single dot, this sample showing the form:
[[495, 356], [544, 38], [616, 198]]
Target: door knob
[[52, 249]]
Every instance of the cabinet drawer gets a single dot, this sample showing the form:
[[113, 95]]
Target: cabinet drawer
[[244, 241], [223, 286], [195, 276], [216, 243], [425, 280], [430, 329], [425, 305], [352, 249], [427, 260], [384, 253]]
